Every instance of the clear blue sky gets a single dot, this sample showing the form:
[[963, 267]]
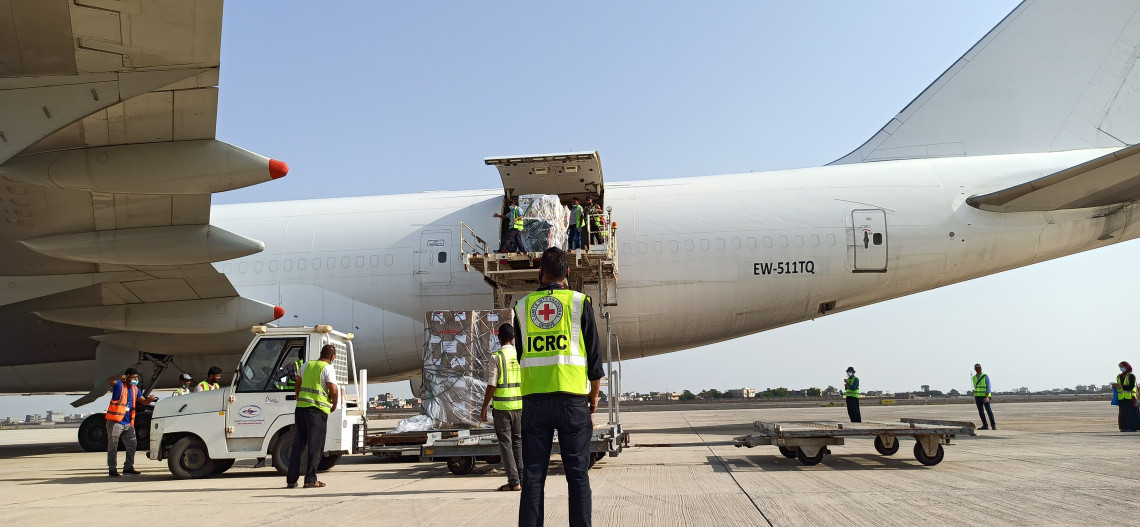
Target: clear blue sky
[[367, 98]]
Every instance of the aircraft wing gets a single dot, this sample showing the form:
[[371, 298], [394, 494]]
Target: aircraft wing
[[1028, 86], [1107, 180], [108, 159]]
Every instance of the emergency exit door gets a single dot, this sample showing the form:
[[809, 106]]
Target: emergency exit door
[[433, 267], [870, 240]]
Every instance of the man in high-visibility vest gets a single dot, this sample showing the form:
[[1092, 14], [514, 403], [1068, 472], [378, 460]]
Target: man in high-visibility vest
[[561, 371], [981, 384], [597, 222], [287, 374], [211, 383], [851, 393], [504, 391], [317, 395], [184, 382], [577, 226], [1127, 417], [512, 240], [120, 416]]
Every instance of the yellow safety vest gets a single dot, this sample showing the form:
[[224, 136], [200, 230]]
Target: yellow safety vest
[[980, 382], [852, 392], [551, 344], [205, 386], [581, 214], [313, 392], [518, 220], [508, 387], [1120, 393]]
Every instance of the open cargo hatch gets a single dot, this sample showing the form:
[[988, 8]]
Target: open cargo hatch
[[567, 175], [593, 269]]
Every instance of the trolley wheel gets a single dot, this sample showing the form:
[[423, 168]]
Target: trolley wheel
[[595, 457], [920, 455], [460, 465], [813, 460], [789, 453], [491, 460], [884, 450]]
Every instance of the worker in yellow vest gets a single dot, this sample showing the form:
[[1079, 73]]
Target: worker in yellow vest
[[982, 393], [211, 383], [851, 395], [512, 239], [1127, 417], [317, 396], [120, 416], [561, 374], [504, 392]]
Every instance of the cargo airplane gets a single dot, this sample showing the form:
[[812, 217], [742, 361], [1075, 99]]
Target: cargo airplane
[[1022, 151]]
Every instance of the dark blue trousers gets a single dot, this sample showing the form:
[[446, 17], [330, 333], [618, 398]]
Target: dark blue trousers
[[542, 414]]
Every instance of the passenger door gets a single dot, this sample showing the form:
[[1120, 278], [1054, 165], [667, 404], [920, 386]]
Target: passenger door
[[869, 229], [433, 267], [262, 392]]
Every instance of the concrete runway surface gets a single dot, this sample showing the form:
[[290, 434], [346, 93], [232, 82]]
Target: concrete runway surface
[[1047, 464]]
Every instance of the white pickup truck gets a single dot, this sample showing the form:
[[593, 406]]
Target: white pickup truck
[[203, 433]]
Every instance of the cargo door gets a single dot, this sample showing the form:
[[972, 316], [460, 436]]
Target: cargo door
[[869, 229], [433, 262], [567, 175]]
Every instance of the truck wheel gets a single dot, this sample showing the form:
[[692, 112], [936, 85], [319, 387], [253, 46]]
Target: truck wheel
[[787, 452], [491, 460], [93, 433], [328, 462], [884, 450], [283, 450], [189, 459], [223, 465], [461, 465]]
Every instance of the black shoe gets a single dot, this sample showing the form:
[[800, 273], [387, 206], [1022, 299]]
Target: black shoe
[[994, 427], [984, 428], [131, 472], [114, 474]]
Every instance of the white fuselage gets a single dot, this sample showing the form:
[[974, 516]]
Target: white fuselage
[[701, 260]]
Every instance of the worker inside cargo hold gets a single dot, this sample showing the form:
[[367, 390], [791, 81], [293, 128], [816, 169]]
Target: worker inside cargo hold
[[512, 240]]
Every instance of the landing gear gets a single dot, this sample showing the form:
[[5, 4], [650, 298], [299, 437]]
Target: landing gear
[[787, 452]]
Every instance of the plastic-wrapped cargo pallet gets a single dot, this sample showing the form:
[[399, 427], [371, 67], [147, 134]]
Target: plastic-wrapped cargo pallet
[[457, 348], [545, 220]]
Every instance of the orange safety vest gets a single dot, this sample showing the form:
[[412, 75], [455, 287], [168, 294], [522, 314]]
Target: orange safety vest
[[118, 408]]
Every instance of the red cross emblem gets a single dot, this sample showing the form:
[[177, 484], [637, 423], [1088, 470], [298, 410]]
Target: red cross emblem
[[546, 312]]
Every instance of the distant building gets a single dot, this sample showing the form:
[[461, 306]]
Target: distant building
[[33, 419], [925, 387], [742, 393], [55, 416], [1023, 390]]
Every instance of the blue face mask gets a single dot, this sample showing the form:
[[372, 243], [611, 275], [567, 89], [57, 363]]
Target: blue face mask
[[134, 382], [1123, 369]]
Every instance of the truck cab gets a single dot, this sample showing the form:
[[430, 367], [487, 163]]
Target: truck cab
[[204, 433]]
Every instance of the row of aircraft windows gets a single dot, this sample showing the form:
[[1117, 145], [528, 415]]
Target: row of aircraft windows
[[799, 240], [303, 264]]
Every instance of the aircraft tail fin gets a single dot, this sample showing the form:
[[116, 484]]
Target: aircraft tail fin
[[1051, 76]]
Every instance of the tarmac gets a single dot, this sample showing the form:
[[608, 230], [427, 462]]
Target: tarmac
[[1056, 463]]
